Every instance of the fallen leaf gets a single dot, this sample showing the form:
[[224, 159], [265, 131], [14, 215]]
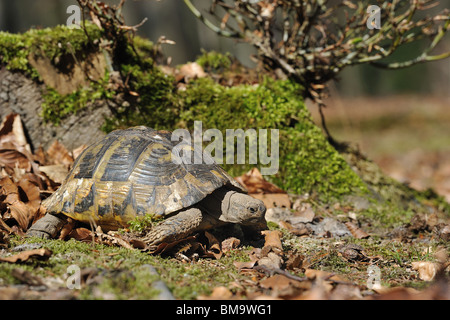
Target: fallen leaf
[[323, 275], [214, 246], [218, 293], [261, 189], [299, 229], [427, 270], [305, 212], [191, 71], [9, 190], [271, 262], [398, 293], [294, 261], [358, 233], [230, 244], [67, 228], [254, 181], [353, 252], [281, 285], [22, 213], [32, 193], [244, 265], [346, 292], [77, 151], [272, 239], [12, 134], [14, 159], [273, 200], [80, 234], [39, 254], [58, 154], [56, 172]]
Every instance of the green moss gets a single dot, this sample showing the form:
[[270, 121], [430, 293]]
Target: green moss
[[52, 43], [307, 162], [154, 104], [121, 271], [141, 223], [188, 281], [56, 106], [215, 62]]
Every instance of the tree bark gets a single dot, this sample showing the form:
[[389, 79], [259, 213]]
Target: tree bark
[[19, 94]]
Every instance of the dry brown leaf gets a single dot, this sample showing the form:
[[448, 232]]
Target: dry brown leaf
[[305, 211], [271, 262], [272, 200], [14, 159], [324, 275], [294, 261], [261, 189], [214, 246], [23, 200], [39, 155], [40, 254], [397, 293], [358, 233], [244, 265], [191, 71], [32, 193], [254, 181], [282, 285], [36, 179], [80, 234], [9, 190], [12, 134], [77, 151], [299, 229], [219, 293], [272, 239], [67, 228], [56, 172], [22, 213], [427, 270], [230, 244], [58, 154]]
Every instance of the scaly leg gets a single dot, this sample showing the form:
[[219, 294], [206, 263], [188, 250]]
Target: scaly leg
[[48, 226], [178, 227]]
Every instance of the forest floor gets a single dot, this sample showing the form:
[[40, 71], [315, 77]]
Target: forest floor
[[407, 136]]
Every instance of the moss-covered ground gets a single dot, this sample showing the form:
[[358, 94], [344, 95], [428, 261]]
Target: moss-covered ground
[[120, 274]]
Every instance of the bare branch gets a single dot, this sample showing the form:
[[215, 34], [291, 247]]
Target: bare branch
[[312, 41]]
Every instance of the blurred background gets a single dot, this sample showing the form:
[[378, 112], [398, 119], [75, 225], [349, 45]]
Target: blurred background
[[399, 118]]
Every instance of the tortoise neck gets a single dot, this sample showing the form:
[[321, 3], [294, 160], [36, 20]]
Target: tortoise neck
[[217, 202]]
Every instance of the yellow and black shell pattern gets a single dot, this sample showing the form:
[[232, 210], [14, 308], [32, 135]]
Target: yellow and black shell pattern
[[131, 173]]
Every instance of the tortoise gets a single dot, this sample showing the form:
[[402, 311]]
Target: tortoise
[[132, 173]]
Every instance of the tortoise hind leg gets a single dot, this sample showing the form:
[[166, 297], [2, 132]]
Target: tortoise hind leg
[[48, 226], [178, 227]]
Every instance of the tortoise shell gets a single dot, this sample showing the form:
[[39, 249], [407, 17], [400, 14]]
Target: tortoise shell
[[131, 173]]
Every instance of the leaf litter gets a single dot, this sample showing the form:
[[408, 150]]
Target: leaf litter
[[278, 264]]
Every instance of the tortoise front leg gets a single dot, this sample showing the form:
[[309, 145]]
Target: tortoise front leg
[[48, 226], [178, 227]]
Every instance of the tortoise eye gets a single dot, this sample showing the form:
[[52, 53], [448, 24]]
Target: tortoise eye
[[253, 209]]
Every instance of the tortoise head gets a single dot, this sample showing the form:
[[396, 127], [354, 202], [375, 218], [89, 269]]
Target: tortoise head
[[243, 209]]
